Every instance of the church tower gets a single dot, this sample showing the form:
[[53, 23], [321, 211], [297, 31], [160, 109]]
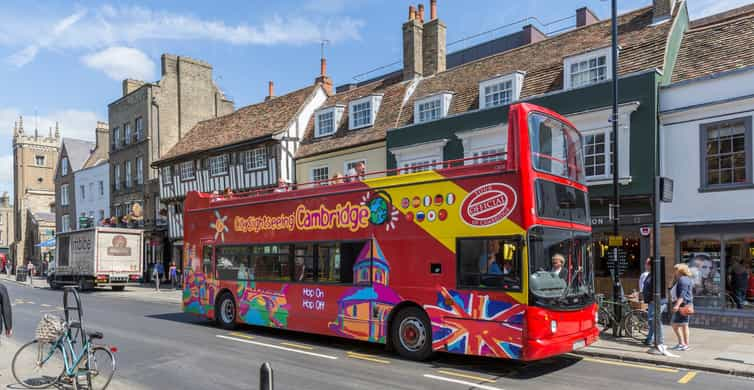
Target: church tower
[[34, 162]]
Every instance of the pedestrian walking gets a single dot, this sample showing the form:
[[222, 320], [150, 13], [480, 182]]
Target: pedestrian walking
[[6, 312], [173, 274], [156, 274], [30, 272], [683, 305], [647, 291]]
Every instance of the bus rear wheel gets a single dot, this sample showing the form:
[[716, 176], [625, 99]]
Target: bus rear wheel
[[225, 313], [411, 334]]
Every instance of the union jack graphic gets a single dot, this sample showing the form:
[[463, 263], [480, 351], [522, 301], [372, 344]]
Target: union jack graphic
[[474, 324]]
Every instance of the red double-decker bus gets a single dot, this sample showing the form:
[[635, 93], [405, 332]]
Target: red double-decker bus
[[489, 259]]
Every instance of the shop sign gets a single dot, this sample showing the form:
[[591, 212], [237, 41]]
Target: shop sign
[[666, 189], [615, 241], [645, 231]]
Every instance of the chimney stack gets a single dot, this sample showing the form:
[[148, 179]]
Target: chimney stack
[[432, 10], [412, 46], [663, 9], [434, 44], [323, 78], [531, 34], [421, 13], [130, 85], [270, 91], [102, 136], [585, 17]]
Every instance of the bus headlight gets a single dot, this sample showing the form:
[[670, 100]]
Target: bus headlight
[[553, 326], [596, 317]]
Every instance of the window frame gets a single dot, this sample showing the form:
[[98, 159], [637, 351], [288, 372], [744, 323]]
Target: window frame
[[64, 195], [748, 150], [427, 151], [183, 168], [212, 165], [64, 166], [249, 156], [37, 158], [116, 174], [127, 133], [586, 57], [516, 79], [116, 137], [83, 191], [65, 222], [374, 106], [139, 170], [167, 175], [519, 241], [323, 182], [445, 97], [354, 162], [481, 140], [608, 153], [128, 173], [139, 129]]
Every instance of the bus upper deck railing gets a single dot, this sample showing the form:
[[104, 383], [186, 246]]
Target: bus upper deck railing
[[336, 180]]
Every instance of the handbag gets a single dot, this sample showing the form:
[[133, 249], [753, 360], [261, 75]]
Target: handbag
[[687, 309]]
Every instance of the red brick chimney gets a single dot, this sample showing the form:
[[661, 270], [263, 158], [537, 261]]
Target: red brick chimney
[[323, 78], [585, 17], [411, 12], [270, 91], [432, 10], [421, 13], [434, 47]]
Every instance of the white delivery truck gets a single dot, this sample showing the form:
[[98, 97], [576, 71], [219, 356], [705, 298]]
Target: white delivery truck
[[100, 256]]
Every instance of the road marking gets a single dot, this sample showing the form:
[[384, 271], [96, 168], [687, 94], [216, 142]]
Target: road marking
[[294, 345], [623, 364], [467, 376], [687, 378], [45, 305], [371, 358], [460, 382], [59, 308], [242, 335], [277, 347]]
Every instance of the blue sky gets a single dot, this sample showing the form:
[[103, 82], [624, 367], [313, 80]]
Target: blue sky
[[64, 61]]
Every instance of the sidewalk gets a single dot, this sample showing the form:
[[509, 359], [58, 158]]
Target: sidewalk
[[711, 350], [144, 293]]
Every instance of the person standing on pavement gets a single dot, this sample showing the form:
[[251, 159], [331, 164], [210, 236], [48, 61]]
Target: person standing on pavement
[[173, 274], [6, 312], [739, 278], [30, 272], [682, 297], [644, 275], [156, 275], [647, 291]]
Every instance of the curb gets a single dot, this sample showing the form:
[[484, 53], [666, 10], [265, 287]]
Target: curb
[[681, 364]]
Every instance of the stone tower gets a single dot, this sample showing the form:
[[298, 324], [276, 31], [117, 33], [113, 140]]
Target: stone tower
[[34, 159]]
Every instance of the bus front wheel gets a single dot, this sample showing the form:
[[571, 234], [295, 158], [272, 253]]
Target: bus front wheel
[[411, 334], [226, 312]]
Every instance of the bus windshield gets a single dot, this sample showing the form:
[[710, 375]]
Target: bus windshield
[[561, 271], [555, 147]]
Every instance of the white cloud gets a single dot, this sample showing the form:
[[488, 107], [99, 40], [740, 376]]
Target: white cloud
[[121, 62], [6, 173], [701, 8], [107, 26], [73, 123]]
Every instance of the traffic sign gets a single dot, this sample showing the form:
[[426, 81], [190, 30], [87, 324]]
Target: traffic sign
[[645, 231]]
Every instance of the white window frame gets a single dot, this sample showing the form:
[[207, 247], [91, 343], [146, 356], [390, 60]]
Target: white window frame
[[607, 153], [128, 171], [374, 107], [187, 170], [64, 200], [353, 163], [444, 97], [117, 176], [591, 121], [139, 170], [314, 178], [337, 113], [516, 80], [66, 222], [167, 174], [484, 141], [64, 166], [251, 159], [218, 165], [586, 57], [429, 152], [37, 158]]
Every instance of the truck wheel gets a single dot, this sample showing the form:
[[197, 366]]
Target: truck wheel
[[119, 288], [411, 334], [225, 312]]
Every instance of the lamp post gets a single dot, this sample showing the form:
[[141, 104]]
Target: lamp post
[[615, 206]]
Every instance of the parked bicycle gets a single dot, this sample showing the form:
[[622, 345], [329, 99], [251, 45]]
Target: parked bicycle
[[53, 357], [635, 323]]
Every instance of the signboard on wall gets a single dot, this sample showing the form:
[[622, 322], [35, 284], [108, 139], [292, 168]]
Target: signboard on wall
[[666, 189]]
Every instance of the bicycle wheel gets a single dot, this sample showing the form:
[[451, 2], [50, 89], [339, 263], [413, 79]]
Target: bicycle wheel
[[604, 319], [37, 365], [99, 370], [636, 325]]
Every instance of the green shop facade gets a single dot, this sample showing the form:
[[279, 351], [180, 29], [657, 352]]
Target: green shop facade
[[589, 108]]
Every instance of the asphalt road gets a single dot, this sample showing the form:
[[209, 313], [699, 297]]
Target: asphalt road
[[161, 348]]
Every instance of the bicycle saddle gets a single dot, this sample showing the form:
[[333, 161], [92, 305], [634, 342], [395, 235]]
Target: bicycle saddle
[[95, 334]]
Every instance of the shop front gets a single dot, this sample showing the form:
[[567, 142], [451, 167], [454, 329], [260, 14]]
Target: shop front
[[636, 247]]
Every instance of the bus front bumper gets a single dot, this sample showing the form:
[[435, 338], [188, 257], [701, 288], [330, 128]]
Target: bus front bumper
[[537, 349]]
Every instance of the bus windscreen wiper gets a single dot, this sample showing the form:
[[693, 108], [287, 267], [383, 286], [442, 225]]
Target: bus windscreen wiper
[[570, 282]]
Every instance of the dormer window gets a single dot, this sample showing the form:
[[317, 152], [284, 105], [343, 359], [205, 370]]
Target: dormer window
[[500, 90], [327, 119], [432, 107], [362, 111], [588, 68]]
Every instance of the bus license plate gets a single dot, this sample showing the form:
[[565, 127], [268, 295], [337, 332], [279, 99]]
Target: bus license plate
[[579, 344]]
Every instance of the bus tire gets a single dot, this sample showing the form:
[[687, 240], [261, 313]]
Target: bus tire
[[411, 334], [118, 288], [225, 312]]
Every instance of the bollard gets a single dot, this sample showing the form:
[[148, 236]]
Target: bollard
[[265, 377]]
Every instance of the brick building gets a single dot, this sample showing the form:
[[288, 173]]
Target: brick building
[[7, 233], [146, 122], [73, 155]]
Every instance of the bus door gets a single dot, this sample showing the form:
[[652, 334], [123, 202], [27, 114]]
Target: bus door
[[206, 274]]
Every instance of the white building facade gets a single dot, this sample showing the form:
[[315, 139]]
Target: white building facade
[[92, 194], [706, 148]]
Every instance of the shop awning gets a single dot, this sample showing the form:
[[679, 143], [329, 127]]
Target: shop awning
[[47, 244]]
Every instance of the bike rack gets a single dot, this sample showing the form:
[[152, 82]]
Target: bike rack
[[78, 322]]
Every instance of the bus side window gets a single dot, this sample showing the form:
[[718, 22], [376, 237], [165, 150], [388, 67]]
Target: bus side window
[[490, 262], [207, 260], [303, 265]]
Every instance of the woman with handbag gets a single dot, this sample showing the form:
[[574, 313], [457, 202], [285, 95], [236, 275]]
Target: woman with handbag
[[683, 305]]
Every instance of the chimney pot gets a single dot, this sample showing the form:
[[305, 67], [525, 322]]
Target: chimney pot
[[585, 17], [323, 66], [432, 9], [270, 90], [411, 12], [421, 13]]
